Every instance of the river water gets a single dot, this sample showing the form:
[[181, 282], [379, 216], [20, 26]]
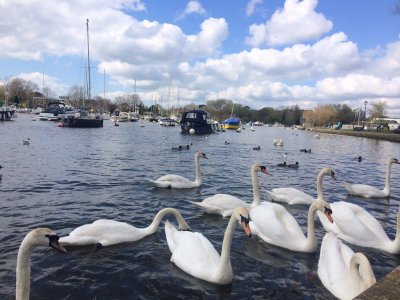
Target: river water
[[67, 177]]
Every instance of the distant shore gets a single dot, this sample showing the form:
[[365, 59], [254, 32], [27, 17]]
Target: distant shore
[[387, 136]]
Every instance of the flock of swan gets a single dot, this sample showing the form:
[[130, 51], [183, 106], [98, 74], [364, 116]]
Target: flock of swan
[[344, 273]]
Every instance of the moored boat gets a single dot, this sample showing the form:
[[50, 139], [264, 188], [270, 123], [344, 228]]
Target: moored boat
[[196, 122], [231, 123]]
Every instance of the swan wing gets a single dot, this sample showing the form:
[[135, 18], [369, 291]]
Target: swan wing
[[364, 190], [273, 223], [222, 204], [333, 267], [192, 252], [354, 221], [106, 232], [174, 181], [292, 196]]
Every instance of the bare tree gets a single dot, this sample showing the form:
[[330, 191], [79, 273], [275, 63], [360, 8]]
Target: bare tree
[[76, 94], [378, 109]]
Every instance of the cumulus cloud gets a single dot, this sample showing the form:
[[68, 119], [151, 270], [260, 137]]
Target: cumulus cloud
[[251, 5], [296, 22], [193, 7]]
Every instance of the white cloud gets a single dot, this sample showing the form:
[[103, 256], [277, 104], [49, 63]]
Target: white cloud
[[193, 7], [45, 81], [296, 22], [251, 5]]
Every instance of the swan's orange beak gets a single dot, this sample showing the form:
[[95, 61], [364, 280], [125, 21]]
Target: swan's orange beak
[[328, 213], [264, 170], [246, 227], [53, 243]]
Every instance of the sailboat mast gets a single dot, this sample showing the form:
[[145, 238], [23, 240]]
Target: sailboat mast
[[88, 58]]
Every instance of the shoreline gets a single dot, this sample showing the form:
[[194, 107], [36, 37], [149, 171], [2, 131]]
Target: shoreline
[[386, 136]]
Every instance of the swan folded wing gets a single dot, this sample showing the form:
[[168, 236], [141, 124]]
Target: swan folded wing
[[333, 265], [194, 254], [364, 190], [174, 181], [222, 204], [274, 222], [106, 232], [292, 196], [353, 219]]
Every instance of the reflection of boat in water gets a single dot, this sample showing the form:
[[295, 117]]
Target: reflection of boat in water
[[197, 122], [231, 123]]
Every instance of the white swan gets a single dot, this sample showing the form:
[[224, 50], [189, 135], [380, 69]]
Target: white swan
[[344, 273], [368, 191], [194, 253], [180, 182], [356, 226], [35, 238], [224, 204], [276, 226], [296, 196], [109, 232], [278, 142]]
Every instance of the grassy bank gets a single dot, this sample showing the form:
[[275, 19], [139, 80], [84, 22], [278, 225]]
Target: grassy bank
[[385, 135]]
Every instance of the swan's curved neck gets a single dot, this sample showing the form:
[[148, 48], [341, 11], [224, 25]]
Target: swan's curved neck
[[256, 187], [395, 246], [152, 228], [311, 242], [319, 184], [197, 165], [225, 262], [23, 272], [361, 271], [387, 182]]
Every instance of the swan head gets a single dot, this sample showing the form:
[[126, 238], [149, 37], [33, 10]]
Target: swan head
[[242, 214], [45, 237], [325, 208], [201, 154], [394, 161], [259, 168]]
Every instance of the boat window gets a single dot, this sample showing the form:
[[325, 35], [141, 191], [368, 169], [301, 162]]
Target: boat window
[[191, 116]]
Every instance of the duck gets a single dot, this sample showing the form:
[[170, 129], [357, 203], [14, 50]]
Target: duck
[[343, 273], [179, 148], [317, 136], [103, 232], [193, 253], [359, 158], [305, 150], [179, 182], [225, 204], [257, 148], [35, 238], [273, 224], [1, 175], [367, 191], [294, 166], [355, 225], [26, 142], [226, 143], [282, 164], [295, 196]]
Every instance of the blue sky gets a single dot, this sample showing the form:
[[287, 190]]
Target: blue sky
[[254, 52]]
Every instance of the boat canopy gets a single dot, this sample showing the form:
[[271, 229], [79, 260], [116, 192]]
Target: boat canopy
[[232, 121]]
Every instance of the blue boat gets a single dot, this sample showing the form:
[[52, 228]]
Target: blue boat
[[196, 122], [231, 123]]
